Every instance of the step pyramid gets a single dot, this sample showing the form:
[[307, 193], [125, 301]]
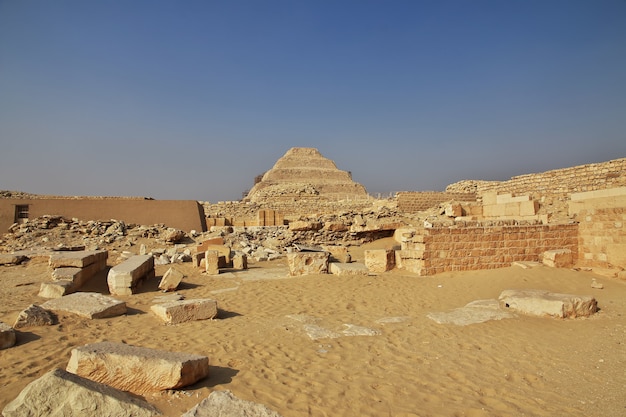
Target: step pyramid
[[303, 173]]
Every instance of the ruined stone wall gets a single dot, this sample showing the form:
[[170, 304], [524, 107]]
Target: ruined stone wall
[[182, 214], [558, 182], [443, 249], [415, 201]]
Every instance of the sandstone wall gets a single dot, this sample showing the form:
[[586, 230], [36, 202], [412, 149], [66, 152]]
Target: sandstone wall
[[442, 249], [558, 182], [415, 201], [182, 214]]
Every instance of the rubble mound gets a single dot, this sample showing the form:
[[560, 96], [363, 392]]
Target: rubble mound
[[304, 172]]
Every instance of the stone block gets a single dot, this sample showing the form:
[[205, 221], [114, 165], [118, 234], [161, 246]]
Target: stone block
[[7, 336], [204, 246], [225, 404], [616, 254], [34, 316], [404, 234], [123, 279], [171, 279], [380, 260], [11, 259], [174, 312], [137, 369], [196, 259], [494, 210], [78, 259], [490, 198], [240, 261], [546, 304], [503, 198], [56, 289], [353, 268], [308, 263], [453, 210], [212, 262], [59, 393], [222, 251], [528, 208], [87, 304], [303, 226], [558, 258], [512, 209]]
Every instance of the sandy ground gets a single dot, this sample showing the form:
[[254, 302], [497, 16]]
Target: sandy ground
[[261, 350]]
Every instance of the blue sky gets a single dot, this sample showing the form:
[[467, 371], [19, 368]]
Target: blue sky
[[193, 99]]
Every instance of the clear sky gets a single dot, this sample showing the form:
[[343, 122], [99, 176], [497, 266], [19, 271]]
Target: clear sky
[[193, 99]]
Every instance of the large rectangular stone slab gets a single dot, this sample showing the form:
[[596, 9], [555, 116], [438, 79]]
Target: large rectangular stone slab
[[60, 393], [123, 279], [181, 311], [78, 259], [11, 259], [137, 369], [352, 268], [56, 289], [87, 304], [547, 304]]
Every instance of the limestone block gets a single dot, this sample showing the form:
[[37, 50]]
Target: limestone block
[[175, 312], [303, 226], [137, 369], [543, 303], [512, 209], [11, 259], [379, 260], [503, 198], [240, 261], [307, 263], [453, 210], [616, 254], [222, 251], [204, 246], [558, 258], [171, 279], [56, 289], [225, 404], [528, 208], [78, 259], [404, 234], [33, 316], [493, 210], [62, 394], [7, 336], [490, 198], [212, 262], [87, 304], [196, 258], [123, 279], [353, 268]]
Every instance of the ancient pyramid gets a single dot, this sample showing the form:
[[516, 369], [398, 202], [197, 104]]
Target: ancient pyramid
[[305, 173]]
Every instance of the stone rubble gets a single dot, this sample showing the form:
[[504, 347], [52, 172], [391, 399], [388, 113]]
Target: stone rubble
[[34, 316]]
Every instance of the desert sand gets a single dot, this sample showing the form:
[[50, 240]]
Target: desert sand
[[402, 364]]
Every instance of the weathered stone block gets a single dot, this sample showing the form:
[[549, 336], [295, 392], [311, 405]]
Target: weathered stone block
[[7, 336], [137, 369], [353, 268], [543, 303], [308, 263], [62, 394], [87, 304], [528, 208], [212, 262], [558, 258], [33, 316], [240, 261], [380, 260], [78, 259], [175, 312], [302, 226], [338, 253], [11, 259], [56, 289], [171, 279], [453, 210], [123, 279], [225, 404]]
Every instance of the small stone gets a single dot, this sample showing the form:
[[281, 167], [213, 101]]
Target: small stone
[[7, 336], [33, 316], [596, 284]]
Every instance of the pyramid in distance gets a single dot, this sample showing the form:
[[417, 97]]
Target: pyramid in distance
[[305, 173]]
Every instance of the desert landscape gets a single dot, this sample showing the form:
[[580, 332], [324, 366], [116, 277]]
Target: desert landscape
[[352, 338]]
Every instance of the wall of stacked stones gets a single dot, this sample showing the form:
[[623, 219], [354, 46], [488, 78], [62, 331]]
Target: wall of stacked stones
[[415, 201], [489, 247], [602, 235], [558, 182]]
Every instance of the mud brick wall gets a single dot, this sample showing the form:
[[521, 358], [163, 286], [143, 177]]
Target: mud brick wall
[[602, 235], [489, 247], [415, 201]]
